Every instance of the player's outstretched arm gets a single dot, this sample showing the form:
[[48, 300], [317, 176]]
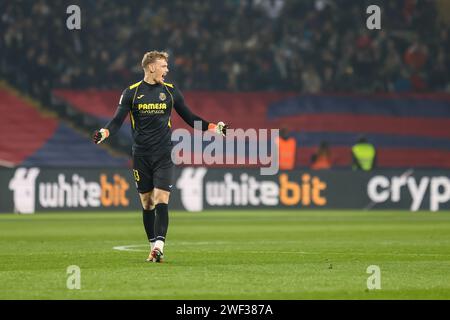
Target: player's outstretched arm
[[190, 118], [114, 125]]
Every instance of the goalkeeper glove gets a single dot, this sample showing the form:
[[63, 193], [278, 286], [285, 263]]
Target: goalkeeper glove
[[219, 128], [100, 135]]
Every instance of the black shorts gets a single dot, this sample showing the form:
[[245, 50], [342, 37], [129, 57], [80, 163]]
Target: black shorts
[[153, 171]]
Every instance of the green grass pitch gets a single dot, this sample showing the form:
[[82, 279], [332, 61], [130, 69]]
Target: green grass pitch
[[263, 254]]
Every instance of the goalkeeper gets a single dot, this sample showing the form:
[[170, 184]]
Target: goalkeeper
[[149, 103]]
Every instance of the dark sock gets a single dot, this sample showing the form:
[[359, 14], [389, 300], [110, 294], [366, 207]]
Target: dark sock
[[161, 221], [148, 216]]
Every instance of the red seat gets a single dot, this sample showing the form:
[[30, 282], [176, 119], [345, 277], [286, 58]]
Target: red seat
[[23, 128]]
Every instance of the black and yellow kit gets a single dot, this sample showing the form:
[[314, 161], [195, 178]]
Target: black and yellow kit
[[150, 107]]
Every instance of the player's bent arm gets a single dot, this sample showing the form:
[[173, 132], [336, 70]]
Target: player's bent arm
[[189, 117], [114, 125]]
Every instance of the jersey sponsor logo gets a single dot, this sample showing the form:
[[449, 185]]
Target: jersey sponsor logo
[[152, 106], [139, 97], [162, 96]]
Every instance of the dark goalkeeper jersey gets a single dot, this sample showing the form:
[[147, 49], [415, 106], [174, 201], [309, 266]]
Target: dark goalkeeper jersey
[[149, 107]]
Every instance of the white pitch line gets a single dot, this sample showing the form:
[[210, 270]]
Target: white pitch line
[[133, 246], [187, 243], [130, 247]]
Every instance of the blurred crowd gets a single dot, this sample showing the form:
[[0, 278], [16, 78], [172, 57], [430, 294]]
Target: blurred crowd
[[308, 46]]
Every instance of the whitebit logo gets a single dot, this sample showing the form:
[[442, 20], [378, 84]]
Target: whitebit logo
[[23, 184], [247, 191], [77, 192], [191, 185]]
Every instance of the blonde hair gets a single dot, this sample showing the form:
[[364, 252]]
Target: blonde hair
[[152, 56]]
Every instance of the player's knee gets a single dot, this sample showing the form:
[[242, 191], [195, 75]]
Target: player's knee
[[159, 200], [148, 205], [147, 201], [161, 196]]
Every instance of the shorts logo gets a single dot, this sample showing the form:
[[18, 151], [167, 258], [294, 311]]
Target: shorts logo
[[162, 96], [136, 175]]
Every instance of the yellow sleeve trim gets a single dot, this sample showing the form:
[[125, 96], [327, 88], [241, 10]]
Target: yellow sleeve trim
[[168, 84], [135, 85], [132, 120]]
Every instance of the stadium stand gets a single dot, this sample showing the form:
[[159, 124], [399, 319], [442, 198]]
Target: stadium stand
[[32, 138], [252, 63], [235, 108], [408, 130], [238, 45]]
